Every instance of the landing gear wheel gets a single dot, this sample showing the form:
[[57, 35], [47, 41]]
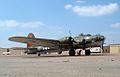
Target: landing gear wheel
[[26, 52], [71, 52], [59, 52], [87, 52], [79, 52]]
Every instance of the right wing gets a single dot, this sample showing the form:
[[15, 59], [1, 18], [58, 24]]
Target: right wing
[[35, 41]]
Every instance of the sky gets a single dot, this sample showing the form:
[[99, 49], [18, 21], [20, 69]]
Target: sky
[[54, 18]]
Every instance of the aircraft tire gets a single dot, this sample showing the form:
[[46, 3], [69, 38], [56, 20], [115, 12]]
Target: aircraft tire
[[87, 52], [79, 52], [71, 52], [59, 52]]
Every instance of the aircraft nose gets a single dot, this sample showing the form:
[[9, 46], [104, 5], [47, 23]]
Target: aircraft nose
[[100, 37]]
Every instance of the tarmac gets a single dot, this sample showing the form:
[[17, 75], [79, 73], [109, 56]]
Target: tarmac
[[96, 65]]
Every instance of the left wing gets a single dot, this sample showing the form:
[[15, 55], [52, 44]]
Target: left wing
[[35, 41]]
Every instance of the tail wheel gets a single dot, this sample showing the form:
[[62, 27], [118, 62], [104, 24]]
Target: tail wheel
[[71, 52], [26, 52], [39, 53], [87, 52]]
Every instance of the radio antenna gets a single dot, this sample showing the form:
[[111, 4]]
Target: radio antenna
[[70, 33]]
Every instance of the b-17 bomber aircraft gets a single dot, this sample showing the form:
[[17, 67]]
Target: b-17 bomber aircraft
[[68, 43]]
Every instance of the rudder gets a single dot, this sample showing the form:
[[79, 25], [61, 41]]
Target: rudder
[[29, 44]]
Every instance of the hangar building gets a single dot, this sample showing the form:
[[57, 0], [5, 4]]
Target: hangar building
[[112, 48]]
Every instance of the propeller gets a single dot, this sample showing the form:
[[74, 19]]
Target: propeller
[[84, 44], [70, 39], [103, 38]]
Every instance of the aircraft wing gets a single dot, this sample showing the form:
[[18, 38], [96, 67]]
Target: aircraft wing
[[19, 48], [35, 41]]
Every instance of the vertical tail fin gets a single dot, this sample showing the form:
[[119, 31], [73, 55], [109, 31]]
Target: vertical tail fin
[[29, 44], [31, 35]]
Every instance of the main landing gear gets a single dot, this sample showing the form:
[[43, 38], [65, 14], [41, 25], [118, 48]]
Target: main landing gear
[[79, 52], [72, 52]]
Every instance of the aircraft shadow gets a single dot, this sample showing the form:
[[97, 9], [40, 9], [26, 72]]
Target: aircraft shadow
[[58, 56]]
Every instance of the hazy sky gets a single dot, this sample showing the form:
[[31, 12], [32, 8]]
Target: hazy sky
[[54, 19]]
